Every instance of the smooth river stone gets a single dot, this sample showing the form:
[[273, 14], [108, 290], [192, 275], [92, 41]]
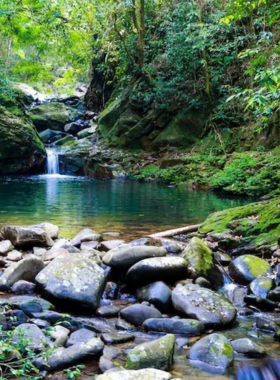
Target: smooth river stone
[[169, 269], [189, 327], [126, 256], [245, 269], [137, 314], [77, 240], [28, 236], [203, 304], [157, 293], [73, 278], [5, 247]]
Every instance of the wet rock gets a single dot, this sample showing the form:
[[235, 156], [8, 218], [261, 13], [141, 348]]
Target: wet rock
[[80, 336], [67, 357], [89, 245], [267, 324], [126, 256], [73, 278], [40, 323], [236, 294], [74, 127], [105, 364], [98, 325], [199, 257], [201, 281], [260, 303], [28, 236], [52, 115], [222, 258], [247, 268], [76, 241], [39, 251], [111, 291], [110, 244], [189, 327], [137, 314], [23, 287], [26, 269], [137, 242], [5, 247], [34, 337], [117, 338], [274, 295], [203, 304], [51, 229], [49, 136], [108, 311], [157, 293], [169, 269], [14, 256], [59, 334], [214, 350], [28, 304], [54, 253], [122, 325], [247, 347], [172, 248], [261, 286], [63, 244], [18, 317], [143, 374], [63, 319], [157, 354]]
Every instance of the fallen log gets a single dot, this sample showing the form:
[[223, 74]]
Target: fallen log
[[177, 231]]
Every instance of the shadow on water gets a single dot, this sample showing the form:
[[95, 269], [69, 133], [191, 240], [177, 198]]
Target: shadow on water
[[132, 208]]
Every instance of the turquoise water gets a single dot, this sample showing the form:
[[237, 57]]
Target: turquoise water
[[132, 208]]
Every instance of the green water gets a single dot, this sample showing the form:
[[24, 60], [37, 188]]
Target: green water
[[132, 208]]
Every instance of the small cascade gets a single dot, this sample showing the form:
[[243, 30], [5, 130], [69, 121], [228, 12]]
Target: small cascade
[[52, 161]]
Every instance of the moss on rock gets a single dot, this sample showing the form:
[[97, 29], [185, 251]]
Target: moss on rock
[[199, 257]]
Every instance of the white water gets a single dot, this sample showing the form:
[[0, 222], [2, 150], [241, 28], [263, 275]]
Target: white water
[[52, 161]]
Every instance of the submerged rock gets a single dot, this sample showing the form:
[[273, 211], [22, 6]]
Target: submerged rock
[[26, 269], [73, 278], [199, 257], [143, 374], [189, 327], [247, 268], [203, 304], [169, 269], [67, 357], [214, 350], [247, 347], [157, 293], [137, 314], [27, 236], [157, 354], [126, 256]]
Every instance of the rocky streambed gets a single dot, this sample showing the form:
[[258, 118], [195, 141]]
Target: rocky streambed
[[142, 309]]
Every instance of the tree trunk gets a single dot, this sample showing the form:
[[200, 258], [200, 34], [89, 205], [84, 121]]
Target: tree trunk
[[141, 35]]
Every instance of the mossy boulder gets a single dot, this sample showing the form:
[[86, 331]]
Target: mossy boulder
[[52, 115], [247, 268], [157, 354], [261, 286], [199, 257], [214, 350], [21, 150]]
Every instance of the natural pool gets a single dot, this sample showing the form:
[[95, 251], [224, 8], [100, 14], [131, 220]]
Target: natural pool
[[132, 208]]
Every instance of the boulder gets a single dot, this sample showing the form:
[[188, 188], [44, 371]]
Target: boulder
[[199, 257], [67, 357], [28, 236], [74, 127], [76, 241], [26, 269], [64, 140], [126, 256], [21, 150], [5, 247], [28, 304], [23, 287], [143, 374], [247, 268], [203, 304], [261, 286], [157, 354], [73, 278], [31, 334], [52, 115], [50, 136], [138, 313], [214, 350], [274, 295], [189, 327], [247, 347], [80, 336], [169, 269], [51, 229], [157, 293]]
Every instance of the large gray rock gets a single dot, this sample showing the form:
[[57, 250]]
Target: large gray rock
[[143, 374], [169, 269], [157, 354], [125, 256], [77, 240], [52, 115], [203, 304], [26, 269], [214, 350], [28, 236], [157, 293], [31, 334], [73, 278], [51, 229], [138, 313], [245, 269], [67, 357], [189, 327]]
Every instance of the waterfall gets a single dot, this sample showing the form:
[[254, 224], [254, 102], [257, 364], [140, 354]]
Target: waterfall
[[52, 161]]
